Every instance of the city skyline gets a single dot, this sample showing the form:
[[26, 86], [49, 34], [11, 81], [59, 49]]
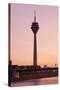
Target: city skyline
[[21, 44]]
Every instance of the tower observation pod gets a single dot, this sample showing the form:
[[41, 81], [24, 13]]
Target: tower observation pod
[[35, 28]]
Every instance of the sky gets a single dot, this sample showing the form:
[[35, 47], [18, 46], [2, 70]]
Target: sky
[[21, 42]]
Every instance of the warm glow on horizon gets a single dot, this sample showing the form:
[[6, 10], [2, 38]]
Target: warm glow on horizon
[[22, 16]]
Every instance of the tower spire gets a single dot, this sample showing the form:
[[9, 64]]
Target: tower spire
[[34, 16]]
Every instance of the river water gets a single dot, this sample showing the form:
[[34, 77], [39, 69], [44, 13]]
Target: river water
[[43, 81]]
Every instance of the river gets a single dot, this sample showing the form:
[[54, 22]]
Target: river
[[42, 81]]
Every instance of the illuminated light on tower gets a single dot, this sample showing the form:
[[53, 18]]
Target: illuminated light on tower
[[35, 28]]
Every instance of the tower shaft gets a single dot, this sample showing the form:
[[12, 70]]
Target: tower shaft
[[35, 51]]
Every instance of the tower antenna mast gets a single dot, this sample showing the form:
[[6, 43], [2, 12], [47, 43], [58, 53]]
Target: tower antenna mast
[[34, 16]]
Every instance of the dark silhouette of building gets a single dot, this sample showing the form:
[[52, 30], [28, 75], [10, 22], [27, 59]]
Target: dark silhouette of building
[[35, 28], [10, 62]]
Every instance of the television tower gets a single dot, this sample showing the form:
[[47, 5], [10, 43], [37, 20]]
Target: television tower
[[35, 28]]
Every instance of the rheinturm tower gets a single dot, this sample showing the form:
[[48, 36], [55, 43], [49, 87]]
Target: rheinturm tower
[[35, 28]]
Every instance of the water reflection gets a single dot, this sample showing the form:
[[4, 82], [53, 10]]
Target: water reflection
[[43, 81], [35, 81]]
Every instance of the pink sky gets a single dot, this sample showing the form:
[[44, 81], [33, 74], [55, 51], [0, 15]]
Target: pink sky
[[22, 16]]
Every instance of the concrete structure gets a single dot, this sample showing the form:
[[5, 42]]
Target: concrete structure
[[35, 28]]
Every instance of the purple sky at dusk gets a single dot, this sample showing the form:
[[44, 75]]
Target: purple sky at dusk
[[22, 16]]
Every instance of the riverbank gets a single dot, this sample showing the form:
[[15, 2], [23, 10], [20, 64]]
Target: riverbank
[[33, 75]]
